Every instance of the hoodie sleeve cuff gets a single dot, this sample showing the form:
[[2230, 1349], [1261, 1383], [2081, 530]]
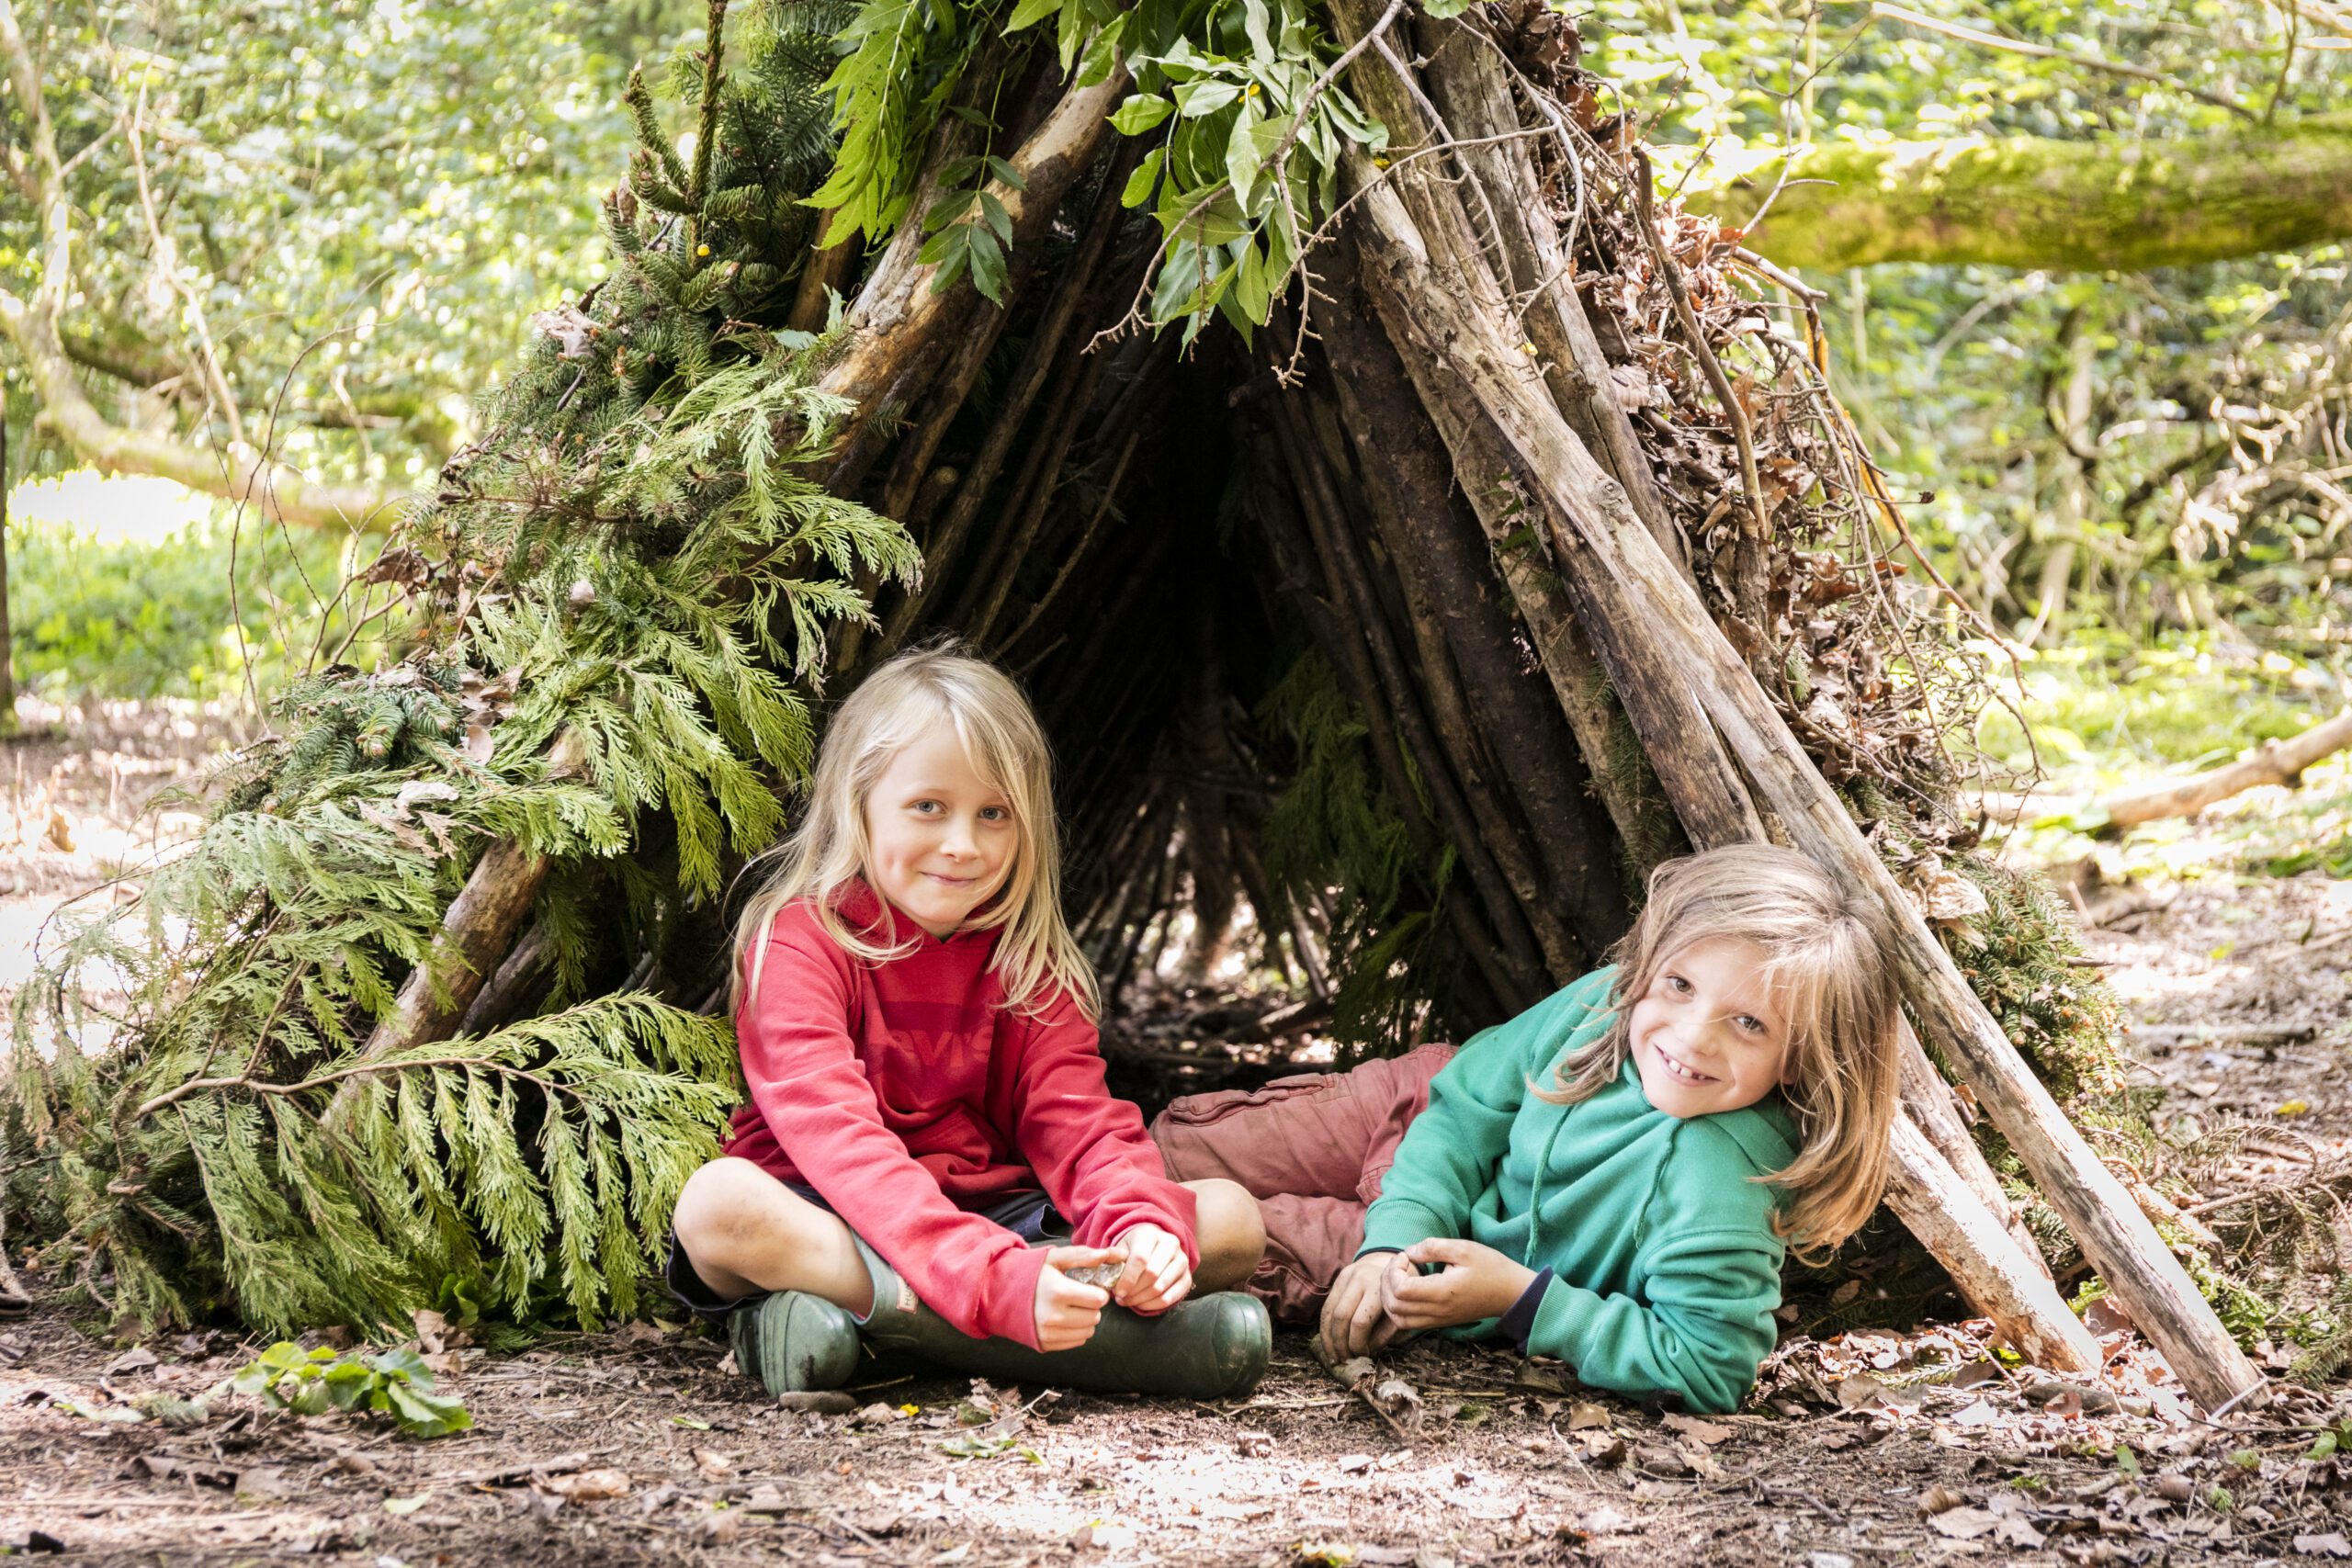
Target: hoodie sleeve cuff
[[1520, 1322], [1011, 1310]]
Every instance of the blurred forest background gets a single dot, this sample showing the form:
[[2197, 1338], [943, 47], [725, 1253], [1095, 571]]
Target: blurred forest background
[[317, 231]]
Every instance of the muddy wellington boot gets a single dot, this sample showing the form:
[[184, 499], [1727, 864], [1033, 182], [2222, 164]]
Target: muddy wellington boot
[[791, 1341], [1212, 1347]]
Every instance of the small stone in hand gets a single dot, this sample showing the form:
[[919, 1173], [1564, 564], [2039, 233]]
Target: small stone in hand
[[1103, 1275]]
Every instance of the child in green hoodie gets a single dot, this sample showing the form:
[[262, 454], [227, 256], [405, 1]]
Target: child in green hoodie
[[1613, 1177]]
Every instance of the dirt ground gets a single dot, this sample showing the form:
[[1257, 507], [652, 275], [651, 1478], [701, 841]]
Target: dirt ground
[[1868, 1448]]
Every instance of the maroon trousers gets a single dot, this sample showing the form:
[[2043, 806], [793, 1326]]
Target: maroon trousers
[[1312, 1149]]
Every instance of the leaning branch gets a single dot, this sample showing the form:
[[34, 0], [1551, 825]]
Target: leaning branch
[[237, 472]]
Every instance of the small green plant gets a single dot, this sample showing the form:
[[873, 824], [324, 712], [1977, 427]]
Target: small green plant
[[393, 1382]]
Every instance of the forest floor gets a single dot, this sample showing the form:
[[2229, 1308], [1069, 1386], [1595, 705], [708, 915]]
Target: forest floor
[[1864, 1448]]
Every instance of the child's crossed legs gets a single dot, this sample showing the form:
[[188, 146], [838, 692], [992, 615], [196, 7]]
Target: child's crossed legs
[[744, 1233]]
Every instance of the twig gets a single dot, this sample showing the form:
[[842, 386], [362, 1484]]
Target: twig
[[1752, 569], [1882, 11], [1323, 1355]]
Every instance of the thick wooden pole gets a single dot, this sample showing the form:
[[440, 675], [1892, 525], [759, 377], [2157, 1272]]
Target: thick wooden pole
[[1679, 677], [2001, 1280]]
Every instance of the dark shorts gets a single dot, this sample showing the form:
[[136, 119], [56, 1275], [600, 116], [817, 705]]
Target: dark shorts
[[1029, 1215]]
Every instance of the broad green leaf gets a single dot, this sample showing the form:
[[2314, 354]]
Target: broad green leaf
[[1254, 20], [1102, 54], [1030, 12], [1242, 158], [1140, 113], [1249, 294], [1207, 95], [1217, 223], [1146, 175]]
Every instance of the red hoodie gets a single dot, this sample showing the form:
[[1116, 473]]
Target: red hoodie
[[905, 1090]]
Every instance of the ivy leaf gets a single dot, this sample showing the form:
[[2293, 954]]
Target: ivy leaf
[[1140, 113]]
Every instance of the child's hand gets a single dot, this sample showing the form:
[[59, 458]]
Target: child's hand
[[1477, 1282], [1354, 1321], [1157, 1277], [1068, 1311]]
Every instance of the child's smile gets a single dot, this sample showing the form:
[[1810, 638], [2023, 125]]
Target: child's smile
[[940, 839], [1709, 1035]]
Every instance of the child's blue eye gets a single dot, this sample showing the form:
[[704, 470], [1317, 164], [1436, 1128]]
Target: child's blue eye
[[1753, 1025], [997, 813]]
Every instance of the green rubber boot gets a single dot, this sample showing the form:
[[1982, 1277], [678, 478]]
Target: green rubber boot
[[792, 1340], [1212, 1347]]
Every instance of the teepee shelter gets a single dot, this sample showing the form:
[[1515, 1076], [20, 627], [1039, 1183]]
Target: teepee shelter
[[1407, 522]]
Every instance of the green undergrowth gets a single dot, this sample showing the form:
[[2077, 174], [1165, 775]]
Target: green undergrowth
[[178, 615], [2106, 710]]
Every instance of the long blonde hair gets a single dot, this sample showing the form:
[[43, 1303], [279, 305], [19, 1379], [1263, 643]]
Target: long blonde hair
[[1828, 960], [910, 695]]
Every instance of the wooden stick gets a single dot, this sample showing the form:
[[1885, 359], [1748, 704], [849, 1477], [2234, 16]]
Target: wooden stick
[[1932, 1106], [2002, 1280], [1684, 685]]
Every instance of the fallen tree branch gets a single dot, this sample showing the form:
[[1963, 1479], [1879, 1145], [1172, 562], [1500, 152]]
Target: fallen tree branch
[[2093, 203], [2273, 762]]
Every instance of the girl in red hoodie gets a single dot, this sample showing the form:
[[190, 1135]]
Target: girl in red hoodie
[[929, 1156]]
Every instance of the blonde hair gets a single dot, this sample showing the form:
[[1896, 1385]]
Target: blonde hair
[[1828, 962], [911, 695]]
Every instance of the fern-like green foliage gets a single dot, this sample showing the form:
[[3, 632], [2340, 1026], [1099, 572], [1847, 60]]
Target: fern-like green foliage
[[625, 586]]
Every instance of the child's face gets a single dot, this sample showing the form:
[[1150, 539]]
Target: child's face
[[1710, 1035], [940, 839]]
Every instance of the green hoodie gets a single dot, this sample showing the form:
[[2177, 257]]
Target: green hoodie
[[1666, 1272]]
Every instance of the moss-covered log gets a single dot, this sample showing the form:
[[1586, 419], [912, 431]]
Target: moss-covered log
[[2114, 204]]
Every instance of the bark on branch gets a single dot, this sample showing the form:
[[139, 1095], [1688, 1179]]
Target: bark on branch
[[236, 471], [2112, 203], [2273, 762]]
